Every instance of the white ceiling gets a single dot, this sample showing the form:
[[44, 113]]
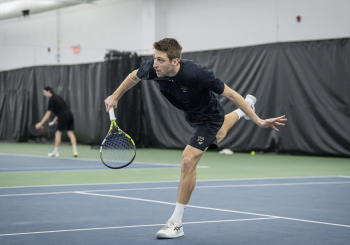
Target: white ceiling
[[13, 8]]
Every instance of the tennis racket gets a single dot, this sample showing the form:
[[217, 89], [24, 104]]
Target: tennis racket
[[118, 149], [39, 131]]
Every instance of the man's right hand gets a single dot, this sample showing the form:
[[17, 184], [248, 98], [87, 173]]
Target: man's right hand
[[111, 102]]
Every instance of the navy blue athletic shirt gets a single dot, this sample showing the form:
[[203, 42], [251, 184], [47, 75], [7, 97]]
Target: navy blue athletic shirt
[[190, 90]]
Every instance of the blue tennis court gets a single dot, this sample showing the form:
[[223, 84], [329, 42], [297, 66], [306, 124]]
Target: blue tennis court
[[28, 163], [250, 211]]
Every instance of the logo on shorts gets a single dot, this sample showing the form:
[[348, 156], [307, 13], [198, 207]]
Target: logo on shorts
[[200, 140], [183, 89]]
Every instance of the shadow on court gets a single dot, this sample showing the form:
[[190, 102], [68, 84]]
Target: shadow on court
[[251, 211]]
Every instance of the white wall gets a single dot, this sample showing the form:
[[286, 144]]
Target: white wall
[[323, 19], [133, 25], [109, 24], [207, 24]]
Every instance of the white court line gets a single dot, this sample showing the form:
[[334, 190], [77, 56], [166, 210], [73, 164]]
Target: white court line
[[170, 203], [130, 226], [47, 157], [50, 168], [83, 168], [94, 160], [37, 194], [215, 209], [175, 187], [171, 181], [225, 186], [343, 176]]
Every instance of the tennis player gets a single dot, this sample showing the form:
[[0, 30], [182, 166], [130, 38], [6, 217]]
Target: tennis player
[[190, 88], [64, 119]]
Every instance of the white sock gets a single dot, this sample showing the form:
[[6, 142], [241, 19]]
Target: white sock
[[55, 150], [179, 211], [240, 113], [74, 148]]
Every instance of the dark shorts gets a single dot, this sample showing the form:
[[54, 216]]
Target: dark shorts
[[205, 135], [65, 123]]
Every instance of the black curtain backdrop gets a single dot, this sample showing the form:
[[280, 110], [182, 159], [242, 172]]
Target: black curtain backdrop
[[309, 82]]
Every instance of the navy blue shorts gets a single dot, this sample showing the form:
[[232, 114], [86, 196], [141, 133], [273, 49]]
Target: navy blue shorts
[[65, 123], [205, 135]]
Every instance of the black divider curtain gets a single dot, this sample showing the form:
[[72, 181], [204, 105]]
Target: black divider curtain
[[309, 82]]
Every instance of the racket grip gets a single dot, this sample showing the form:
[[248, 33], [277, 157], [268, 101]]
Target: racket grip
[[111, 114]]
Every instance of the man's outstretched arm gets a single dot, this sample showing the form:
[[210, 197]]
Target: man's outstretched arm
[[130, 81], [244, 106]]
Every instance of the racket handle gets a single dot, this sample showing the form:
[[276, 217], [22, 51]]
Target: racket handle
[[111, 114]]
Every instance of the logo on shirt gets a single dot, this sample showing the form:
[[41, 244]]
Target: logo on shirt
[[200, 140], [183, 89]]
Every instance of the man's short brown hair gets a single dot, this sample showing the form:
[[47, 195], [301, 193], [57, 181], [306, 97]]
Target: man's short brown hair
[[170, 46]]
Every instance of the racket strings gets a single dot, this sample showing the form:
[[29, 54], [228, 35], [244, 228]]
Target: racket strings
[[117, 150]]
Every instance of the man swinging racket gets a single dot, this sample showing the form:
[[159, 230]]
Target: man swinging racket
[[201, 108]]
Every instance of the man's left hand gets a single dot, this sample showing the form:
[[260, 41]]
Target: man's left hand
[[272, 122]]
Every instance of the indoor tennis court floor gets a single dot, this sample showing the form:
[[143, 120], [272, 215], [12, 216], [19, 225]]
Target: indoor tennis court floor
[[28, 163], [270, 211]]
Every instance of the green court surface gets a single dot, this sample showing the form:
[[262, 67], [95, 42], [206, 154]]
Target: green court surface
[[236, 166]]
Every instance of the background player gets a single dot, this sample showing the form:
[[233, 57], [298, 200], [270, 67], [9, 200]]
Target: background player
[[64, 119]]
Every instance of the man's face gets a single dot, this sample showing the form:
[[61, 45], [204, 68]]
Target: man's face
[[46, 93], [162, 64]]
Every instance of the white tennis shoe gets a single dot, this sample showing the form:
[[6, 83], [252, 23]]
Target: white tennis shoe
[[172, 229], [53, 154], [251, 100]]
